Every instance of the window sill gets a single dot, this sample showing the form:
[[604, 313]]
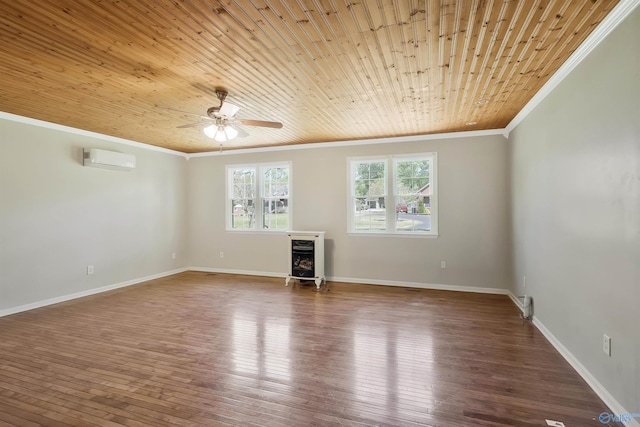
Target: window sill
[[244, 231], [401, 235]]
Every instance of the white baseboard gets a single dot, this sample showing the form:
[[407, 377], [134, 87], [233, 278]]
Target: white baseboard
[[516, 301], [615, 407], [419, 285], [56, 300], [363, 281], [242, 272]]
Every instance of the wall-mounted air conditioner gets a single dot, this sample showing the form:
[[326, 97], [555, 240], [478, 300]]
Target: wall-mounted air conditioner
[[97, 158]]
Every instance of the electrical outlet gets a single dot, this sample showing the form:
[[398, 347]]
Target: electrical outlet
[[90, 269], [606, 344], [221, 254], [173, 255], [443, 264]]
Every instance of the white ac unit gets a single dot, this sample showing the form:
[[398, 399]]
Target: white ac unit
[[97, 158]]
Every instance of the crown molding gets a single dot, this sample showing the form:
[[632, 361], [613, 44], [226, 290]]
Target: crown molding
[[608, 24], [75, 131], [413, 138], [349, 143]]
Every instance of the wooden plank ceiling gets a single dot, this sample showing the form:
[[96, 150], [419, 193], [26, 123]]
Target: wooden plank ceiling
[[330, 70]]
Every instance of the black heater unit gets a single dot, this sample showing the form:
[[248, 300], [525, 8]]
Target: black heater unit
[[306, 256], [303, 258]]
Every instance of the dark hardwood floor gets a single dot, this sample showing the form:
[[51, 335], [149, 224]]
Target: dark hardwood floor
[[202, 349]]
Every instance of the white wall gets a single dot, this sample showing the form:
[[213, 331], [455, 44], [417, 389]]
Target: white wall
[[57, 217], [576, 211], [474, 231]]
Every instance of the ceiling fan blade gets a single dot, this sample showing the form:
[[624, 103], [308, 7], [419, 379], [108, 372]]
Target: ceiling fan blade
[[228, 110], [262, 123], [241, 132], [192, 125]]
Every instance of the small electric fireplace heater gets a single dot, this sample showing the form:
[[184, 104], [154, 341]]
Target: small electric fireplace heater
[[306, 256]]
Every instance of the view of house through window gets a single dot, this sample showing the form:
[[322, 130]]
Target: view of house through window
[[258, 197], [394, 194], [369, 194]]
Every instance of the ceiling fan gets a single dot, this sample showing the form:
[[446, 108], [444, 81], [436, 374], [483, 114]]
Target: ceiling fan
[[225, 121]]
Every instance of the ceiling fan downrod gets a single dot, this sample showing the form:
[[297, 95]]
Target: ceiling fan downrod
[[222, 95], [213, 111]]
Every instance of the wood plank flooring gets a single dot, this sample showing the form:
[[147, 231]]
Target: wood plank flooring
[[203, 349]]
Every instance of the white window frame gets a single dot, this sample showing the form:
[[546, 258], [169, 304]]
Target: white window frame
[[258, 226], [390, 195]]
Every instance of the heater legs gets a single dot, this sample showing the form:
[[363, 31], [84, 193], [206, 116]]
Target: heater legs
[[317, 280]]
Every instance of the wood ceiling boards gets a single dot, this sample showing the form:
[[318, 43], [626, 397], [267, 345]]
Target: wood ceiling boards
[[329, 70]]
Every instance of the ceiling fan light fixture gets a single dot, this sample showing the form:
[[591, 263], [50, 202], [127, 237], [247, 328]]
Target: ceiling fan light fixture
[[210, 131], [231, 132], [221, 135]]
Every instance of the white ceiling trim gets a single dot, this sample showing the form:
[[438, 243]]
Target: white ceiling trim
[[75, 131], [611, 21], [413, 138]]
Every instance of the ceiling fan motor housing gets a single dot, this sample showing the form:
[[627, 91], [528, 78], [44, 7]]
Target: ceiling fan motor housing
[[213, 112], [221, 94]]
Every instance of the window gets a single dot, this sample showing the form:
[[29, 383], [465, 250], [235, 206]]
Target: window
[[369, 194], [258, 197], [393, 195]]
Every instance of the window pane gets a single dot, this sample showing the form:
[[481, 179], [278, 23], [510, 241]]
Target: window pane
[[275, 193], [376, 170], [369, 189], [421, 168], [376, 187], [243, 183], [242, 213], [412, 193], [412, 216], [275, 214], [411, 175], [370, 214], [368, 179], [275, 182], [418, 183]]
